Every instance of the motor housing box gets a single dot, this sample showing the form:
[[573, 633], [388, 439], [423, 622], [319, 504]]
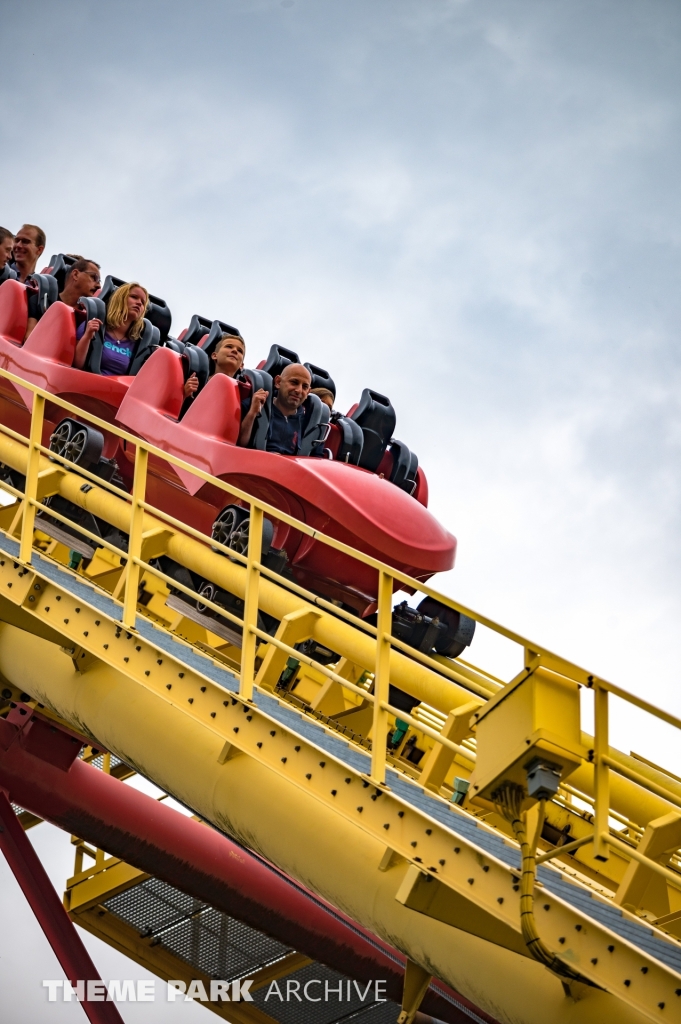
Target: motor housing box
[[536, 717]]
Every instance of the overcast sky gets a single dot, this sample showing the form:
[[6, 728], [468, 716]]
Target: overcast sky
[[469, 205]]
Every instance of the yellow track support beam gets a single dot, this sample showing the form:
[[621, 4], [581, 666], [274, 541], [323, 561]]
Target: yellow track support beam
[[280, 801], [427, 876]]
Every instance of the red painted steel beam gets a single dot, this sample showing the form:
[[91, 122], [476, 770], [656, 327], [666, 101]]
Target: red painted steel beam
[[55, 922], [40, 768]]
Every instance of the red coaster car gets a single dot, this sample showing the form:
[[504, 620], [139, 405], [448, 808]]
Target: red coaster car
[[351, 504], [45, 359], [366, 491]]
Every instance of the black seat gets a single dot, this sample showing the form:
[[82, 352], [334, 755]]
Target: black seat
[[320, 378], [174, 344], [376, 418], [60, 264], [160, 315], [278, 358], [94, 308], [352, 439], [404, 468], [194, 360], [157, 311], [7, 274], [198, 327], [259, 379], [42, 290], [315, 426], [205, 333]]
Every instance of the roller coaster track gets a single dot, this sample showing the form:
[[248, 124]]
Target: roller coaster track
[[291, 756]]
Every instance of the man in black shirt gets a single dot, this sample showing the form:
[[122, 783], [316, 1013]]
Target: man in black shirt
[[286, 424]]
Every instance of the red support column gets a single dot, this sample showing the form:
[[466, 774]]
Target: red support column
[[55, 922]]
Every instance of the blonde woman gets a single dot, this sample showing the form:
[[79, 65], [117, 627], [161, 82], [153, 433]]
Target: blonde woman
[[124, 327], [122, 349]]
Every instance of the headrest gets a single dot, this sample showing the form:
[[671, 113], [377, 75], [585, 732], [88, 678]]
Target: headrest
[[376, 417], [59, 268], [205, 333], [374, 410], [198, 327], [160, 315], [320, 378], [278, 358], [111, 284]]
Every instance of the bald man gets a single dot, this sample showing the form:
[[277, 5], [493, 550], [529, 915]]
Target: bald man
[[286, 424]]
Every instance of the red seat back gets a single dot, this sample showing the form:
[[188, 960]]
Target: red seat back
[[54, 337], [158, 385], [216, 411], [13, 311]]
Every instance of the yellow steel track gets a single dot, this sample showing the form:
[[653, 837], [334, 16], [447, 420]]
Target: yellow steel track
[[367, 829]]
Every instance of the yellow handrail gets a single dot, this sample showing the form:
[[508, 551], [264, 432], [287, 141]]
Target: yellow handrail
[[385, 641]]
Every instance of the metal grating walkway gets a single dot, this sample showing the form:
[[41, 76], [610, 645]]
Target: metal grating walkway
[[226, 949]]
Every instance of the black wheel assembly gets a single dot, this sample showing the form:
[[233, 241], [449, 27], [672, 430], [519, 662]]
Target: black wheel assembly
[[433, 627], [210, 592], [231, 528], [78, 443]]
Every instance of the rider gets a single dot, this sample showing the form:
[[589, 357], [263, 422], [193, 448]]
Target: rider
[[82, 279], [228, 356], [29, 243], [324, 395], [6, 245], [286, 423], [122, 333]]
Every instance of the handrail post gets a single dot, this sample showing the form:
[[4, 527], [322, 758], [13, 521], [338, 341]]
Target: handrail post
[[248, 646], [31, 486], [601, 775], [379, 731], [132, 578]]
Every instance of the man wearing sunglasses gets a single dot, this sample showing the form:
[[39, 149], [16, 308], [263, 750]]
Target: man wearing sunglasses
[[82, 279]]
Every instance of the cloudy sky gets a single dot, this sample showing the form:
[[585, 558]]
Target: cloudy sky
[[469, 205]]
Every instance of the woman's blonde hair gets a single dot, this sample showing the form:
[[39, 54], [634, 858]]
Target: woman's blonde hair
[[117, 312]]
